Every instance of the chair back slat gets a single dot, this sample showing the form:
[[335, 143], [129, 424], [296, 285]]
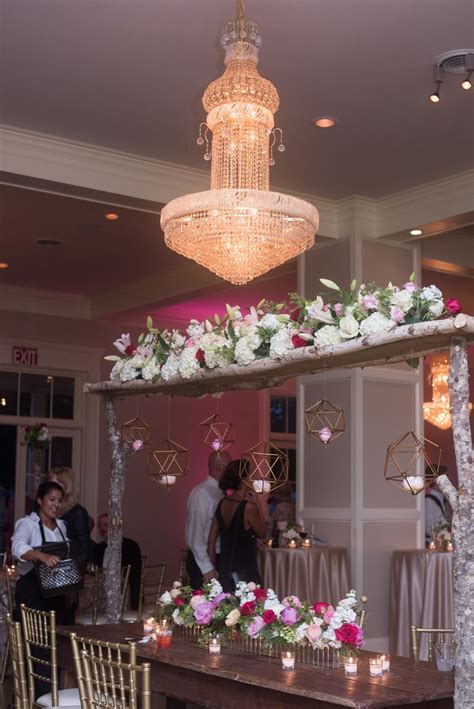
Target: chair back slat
[[142, 580], [153, 578], [39, 630], [433, 636], [20, 685], [183, 573]]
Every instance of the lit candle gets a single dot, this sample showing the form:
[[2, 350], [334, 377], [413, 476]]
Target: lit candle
[[261, 486], [167, 480], [385, 663], [375, 667], [449, 546], [149, 625], [414, 483], [288, 660], [292, 544], [214, 646], [307, 543], [269, 543], [432, 546], [350, 666]]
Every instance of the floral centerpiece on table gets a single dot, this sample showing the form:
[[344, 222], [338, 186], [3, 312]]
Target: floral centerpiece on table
[[255, 612], [36, 436], [243, 335]]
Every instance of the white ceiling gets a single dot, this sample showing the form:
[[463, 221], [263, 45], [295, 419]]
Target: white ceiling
[[129, 76]]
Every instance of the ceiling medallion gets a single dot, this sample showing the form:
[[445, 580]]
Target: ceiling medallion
[[239, 229], [402, 458]]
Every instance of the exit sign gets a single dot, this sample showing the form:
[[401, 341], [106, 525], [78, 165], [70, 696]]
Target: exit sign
[[25, 355]]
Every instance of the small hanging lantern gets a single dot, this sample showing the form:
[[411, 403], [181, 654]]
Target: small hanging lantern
[[325, 421], [217, 432], [264, 467], [136, 433], [167, 463], [402, 458]]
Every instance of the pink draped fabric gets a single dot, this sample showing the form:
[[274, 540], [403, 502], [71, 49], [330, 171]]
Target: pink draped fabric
[[421, 593], [320, 574]]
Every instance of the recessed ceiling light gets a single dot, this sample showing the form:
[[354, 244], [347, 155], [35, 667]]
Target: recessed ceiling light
[[3, 265], [324, 122], [416, 232], [49, 242], [111, 216]]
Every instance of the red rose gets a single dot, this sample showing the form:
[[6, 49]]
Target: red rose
[[200, 356], [198, 592], [248, 608], [348, 633], [298, 341], [320, 607], [453, 306], [268, 617], [260, 594], [179, 601], [295, 314]]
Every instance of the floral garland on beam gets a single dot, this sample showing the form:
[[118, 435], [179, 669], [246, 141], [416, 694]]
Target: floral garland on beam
[[272, 330], [256, 612]]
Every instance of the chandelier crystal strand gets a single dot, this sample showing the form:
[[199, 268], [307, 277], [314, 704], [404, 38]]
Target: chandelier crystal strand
[[239, 229]]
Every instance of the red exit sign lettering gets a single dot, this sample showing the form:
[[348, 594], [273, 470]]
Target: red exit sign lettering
[[25, 355]]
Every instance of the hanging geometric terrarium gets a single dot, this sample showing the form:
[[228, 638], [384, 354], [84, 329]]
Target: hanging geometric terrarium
[[325, 421], [167, 463], [136, 433], [264, 467], [217, 432], [402, 458]]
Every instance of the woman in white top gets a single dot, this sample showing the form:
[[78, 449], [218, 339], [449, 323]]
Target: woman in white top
[[27, 536]]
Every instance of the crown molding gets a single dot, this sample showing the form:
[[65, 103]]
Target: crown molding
[[44, 302]]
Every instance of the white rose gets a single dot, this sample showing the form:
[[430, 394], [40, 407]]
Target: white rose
[[232, 618], [327, 336], [402, 299], [436, 308], [376, 323], [280, 344], [174, 593], [348, 327], [177, 584]]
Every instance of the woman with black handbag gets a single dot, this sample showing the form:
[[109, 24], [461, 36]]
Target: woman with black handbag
[[32, 533]]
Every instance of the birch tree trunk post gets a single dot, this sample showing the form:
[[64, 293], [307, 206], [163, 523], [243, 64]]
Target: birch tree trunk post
[[462, 502], [120, 455]]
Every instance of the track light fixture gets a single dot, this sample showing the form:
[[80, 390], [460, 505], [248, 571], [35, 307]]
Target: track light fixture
[[457, 61]]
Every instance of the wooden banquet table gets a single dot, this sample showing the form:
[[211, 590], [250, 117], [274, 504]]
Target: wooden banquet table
[[421, 593], [315, 574], [187, 672]]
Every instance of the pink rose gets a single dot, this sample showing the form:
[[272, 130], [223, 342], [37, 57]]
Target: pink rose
[[325, 434], [204, 613], [320, 607], [313, 633], [269, 616], [137, 445], [350, 634], [453, 306], [370, 301], [396, 314], [328, 615], [410, 287], [339, 309], [255, 626], [289, 616], [294, 601]]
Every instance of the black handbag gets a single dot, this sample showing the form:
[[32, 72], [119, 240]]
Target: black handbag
[[65, 576]]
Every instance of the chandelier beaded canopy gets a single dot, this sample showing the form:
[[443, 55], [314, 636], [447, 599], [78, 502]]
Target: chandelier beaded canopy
[[239, 229]]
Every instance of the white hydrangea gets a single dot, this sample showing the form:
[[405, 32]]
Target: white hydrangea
[[215, 589], [177, 340], [243, 353], [210, 343], [170, 368], [116, 370], [431, 293], [327, 336], [377, 322], [280, 344], [402, 299], [188, 364], [195, 328], [436, 308], [128, 372], [151, 369], [270, 322]]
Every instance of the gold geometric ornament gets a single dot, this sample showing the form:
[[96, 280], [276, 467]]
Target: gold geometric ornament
[[402, 458], [217, 432], [264, 467], [325, 421], [136, 433], [167, 463]]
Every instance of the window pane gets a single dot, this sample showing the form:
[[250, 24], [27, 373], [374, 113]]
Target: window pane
[[278, 414], [8, 393], [36, 469], [35, 395], [63, 398], [61, 452], [291, 414], [7, 483]]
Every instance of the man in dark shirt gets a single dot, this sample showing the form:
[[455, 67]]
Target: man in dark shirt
[[131, 556]]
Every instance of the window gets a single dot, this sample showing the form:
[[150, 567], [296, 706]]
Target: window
[[39, 396], [283, 414]]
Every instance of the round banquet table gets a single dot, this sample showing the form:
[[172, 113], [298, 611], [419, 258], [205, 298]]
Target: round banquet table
[[421, 593], [316, 574]]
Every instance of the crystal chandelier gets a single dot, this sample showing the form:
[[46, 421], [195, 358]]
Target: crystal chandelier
[[437, 411], [239, 229]]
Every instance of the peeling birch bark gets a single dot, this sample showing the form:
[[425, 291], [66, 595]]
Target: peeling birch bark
[[120, 456], [463, 525]]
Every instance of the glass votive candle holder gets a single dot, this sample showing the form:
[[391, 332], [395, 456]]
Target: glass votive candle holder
[[214, 645], [449, 546], [432, 546], [288, 660], [292, 544], [350, 666], [385, 663], [375, 667], [149, 625], [163, 634], [307, 543]]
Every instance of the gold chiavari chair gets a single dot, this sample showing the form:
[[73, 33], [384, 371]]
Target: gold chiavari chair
[[8, 584], [437, 633], [106, 679], [39, 630], [132, 616], [183, 574], [96, 617], [20, 686], [153, 578]]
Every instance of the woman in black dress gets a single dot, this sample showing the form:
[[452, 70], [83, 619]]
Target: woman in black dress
[[239, 519]]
